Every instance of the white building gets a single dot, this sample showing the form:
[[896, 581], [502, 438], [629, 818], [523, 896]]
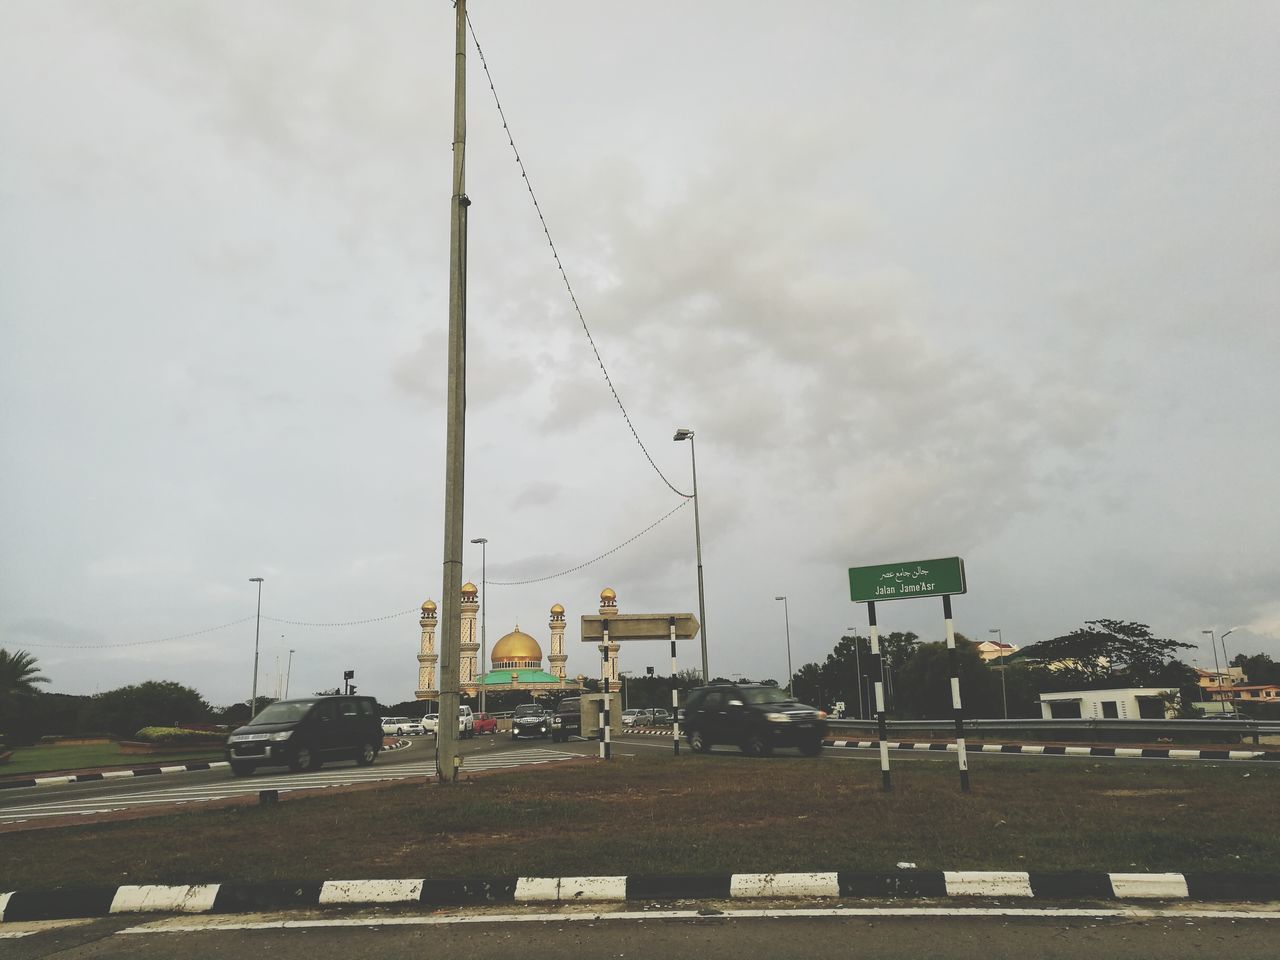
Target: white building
[[1132, 703]]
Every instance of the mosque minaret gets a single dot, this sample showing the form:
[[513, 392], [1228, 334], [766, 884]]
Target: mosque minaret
[[467, 671], [427, 654], [557, 657], [609, 608]]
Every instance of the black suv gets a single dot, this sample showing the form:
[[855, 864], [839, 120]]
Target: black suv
[[567, 720], [755, 717], [305, 733], [530, 720]]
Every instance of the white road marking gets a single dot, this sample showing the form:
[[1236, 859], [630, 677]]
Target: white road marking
[[1103, 913], [284, 783]]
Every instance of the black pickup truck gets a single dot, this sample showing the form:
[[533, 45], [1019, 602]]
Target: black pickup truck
[[567, 720]]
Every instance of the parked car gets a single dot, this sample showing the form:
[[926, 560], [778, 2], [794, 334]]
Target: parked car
[[567, 720], [485, 724], [306, 732], [634, 718], [530, 720], [660, 717], [429, 722], [466, 722], [755, 717], [401, 726]]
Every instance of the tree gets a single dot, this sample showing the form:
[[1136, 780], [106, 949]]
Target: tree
[[156, 703], [1101, 654], [1259, 668], [21, 717], [18, 675]]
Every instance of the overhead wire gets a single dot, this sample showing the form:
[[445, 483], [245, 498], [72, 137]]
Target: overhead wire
[[555, 253], [355, 623]]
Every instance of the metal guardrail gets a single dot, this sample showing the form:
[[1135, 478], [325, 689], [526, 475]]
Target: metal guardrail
[[1152, 728]]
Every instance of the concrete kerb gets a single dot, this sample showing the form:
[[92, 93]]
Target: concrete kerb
[[483, 891], [1029, 749], [1055, 750], [152, 771]]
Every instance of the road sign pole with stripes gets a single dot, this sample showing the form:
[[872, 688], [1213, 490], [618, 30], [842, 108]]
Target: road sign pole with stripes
[[675, 695], [954, 659], [877, 666]]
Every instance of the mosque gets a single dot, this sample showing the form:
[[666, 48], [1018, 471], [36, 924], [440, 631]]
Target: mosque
[[515, 662]]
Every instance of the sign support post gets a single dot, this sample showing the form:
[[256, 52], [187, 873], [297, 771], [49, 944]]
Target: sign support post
[[604, 677], [675, 695], [954, 659], [878, 667]]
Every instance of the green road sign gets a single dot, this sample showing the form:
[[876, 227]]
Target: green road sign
[[906, 581]]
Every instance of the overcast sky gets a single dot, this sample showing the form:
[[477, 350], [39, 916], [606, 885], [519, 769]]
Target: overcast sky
[[996, 280]]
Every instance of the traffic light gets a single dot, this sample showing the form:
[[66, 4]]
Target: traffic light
[[347, 676], [649, 671]]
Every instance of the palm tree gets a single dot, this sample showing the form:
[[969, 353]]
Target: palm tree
[[18, 675]]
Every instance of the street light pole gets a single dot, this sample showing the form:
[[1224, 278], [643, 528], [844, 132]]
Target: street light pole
[[257, 631], [1226, 663], [686, 434], [857, 664], [1217, 673], [1004, 695], [786, 613], [484, 604], [288, 672]]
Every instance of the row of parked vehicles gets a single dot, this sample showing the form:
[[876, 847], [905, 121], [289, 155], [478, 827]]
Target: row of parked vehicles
[[304, 733]]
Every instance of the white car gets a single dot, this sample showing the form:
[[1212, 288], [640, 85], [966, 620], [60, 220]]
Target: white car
[[466, 722], [402, 726], [631, 717], [430, 721]]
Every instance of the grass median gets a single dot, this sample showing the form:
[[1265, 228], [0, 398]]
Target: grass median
[[697, 815], [49, 759]]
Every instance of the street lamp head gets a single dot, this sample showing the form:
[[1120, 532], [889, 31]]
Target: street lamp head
[[1228, 633], [994, 630], [479, 540], [1210, 632], [684, 433], [255, 579], [779, 598]]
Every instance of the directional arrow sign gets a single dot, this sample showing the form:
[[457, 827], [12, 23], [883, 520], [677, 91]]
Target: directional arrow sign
[[639, 626]]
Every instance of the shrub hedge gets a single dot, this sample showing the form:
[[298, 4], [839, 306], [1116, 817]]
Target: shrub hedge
[[175, 735]]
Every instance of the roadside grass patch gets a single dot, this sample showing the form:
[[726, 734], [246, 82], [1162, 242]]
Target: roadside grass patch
[[696, 815], [52, 758]]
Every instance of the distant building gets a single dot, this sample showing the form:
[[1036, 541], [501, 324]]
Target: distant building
[[995, 650], [1218, 684], [1249, 693], [516, 659], [1131, 703]]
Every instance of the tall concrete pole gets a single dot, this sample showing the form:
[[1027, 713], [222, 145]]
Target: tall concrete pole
[[257, 631], [455, 437]]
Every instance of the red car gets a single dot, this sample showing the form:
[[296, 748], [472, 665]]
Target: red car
[[486, 724]]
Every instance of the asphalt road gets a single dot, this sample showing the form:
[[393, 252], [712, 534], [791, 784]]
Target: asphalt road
[[161, 793], [767, 931], [61, 803]]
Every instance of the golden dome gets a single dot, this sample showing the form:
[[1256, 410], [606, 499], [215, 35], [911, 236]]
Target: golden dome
[[469, 589], [429, 606], [557, 609], [608, 594], [516, 645]]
